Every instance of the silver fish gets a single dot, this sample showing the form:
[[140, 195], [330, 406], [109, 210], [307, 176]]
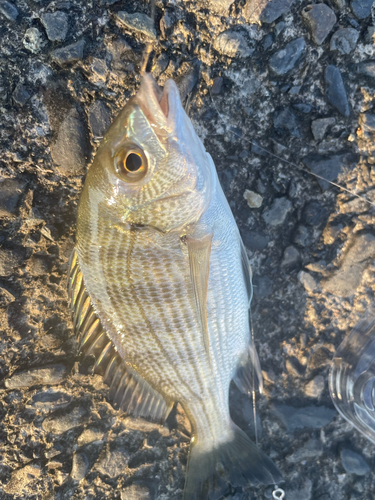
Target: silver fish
[[160, 287]]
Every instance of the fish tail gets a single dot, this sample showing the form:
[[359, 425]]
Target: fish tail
[[237, 461]]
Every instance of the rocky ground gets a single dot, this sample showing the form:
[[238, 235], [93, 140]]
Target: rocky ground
[[275, 90]]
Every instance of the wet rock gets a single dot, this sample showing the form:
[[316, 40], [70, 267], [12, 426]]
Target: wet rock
[[90, 435], [232, 44], [56, 25], [312, 449], [347, 278], [303, 236], [319, 127], [361, 8], [344, 40], [188, 79], [285, 59], [62, 422], [315, 387], [69, 54], [112, 463], [266, 11], [70, 149], [307, 281], [47, 400], [262, 286], [313, 417], [303, 107], [20, 94], [329, 166], [9, 260], [21, 479], [80, 466], [254, 200], [33, 40], [53, 374], [320, 19], [8, 10], [137, 23], [278, 212], [268, 41], [99, 119], [11, 192], [354, 463], [291, 257], [335, 90], [254, 240], [6, 297], [286, 121], [136, 492]]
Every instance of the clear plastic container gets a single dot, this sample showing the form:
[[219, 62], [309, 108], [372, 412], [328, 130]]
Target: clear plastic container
[[352, 377]]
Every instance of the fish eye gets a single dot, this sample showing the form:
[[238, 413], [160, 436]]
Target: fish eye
[[131, 164]]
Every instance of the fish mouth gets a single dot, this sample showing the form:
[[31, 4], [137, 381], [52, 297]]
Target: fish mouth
[[160, 106]]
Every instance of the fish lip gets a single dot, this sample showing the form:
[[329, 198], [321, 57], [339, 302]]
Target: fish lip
[[160, 106]]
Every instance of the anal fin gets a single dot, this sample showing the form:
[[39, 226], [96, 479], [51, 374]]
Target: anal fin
[[128, 390]]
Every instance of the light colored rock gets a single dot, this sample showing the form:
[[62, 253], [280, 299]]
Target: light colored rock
[[315, 387], [254, 200]]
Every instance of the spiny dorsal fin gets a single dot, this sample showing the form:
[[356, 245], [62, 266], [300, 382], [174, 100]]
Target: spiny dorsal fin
[[199, 251], [128, 390]]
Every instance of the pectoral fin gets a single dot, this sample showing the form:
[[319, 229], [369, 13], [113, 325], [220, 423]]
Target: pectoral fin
[[199, 251]]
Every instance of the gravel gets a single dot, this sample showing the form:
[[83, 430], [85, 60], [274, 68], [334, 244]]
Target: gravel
[[275, 90]]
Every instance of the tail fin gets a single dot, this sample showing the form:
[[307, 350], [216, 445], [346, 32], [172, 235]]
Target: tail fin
[[237, 461]]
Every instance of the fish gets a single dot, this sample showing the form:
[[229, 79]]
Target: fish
[[160, 287]]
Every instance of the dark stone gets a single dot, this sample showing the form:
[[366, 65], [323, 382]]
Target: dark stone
[[254, 241], [80, 466], [329, 166], [285, 59], [51, 375], [268, 40], [286, 121], [313, 417], [320, 19], [8, 10], [361, 8], [232, 44], [367, 122], [335, 90], [10, 259], [262, 286], [319, 127], [315, 214], [257, 149], [71, 147], [11, 192], [137, 23], [367, 68], [312, 449], [344, 40], [266, 11], [20, 94], [354, 463], [291, 257], [56, 25], [303, 107], [276, 214], [69, 54], [217, 85], [59, 422], [187, 82], [99, 119], [303, 236]]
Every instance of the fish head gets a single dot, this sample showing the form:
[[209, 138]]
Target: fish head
[[151, 168]]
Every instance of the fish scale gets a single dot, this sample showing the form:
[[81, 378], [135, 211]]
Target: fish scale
[[160, 257]]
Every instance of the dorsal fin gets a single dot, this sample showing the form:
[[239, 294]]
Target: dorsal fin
[[128, 390]]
